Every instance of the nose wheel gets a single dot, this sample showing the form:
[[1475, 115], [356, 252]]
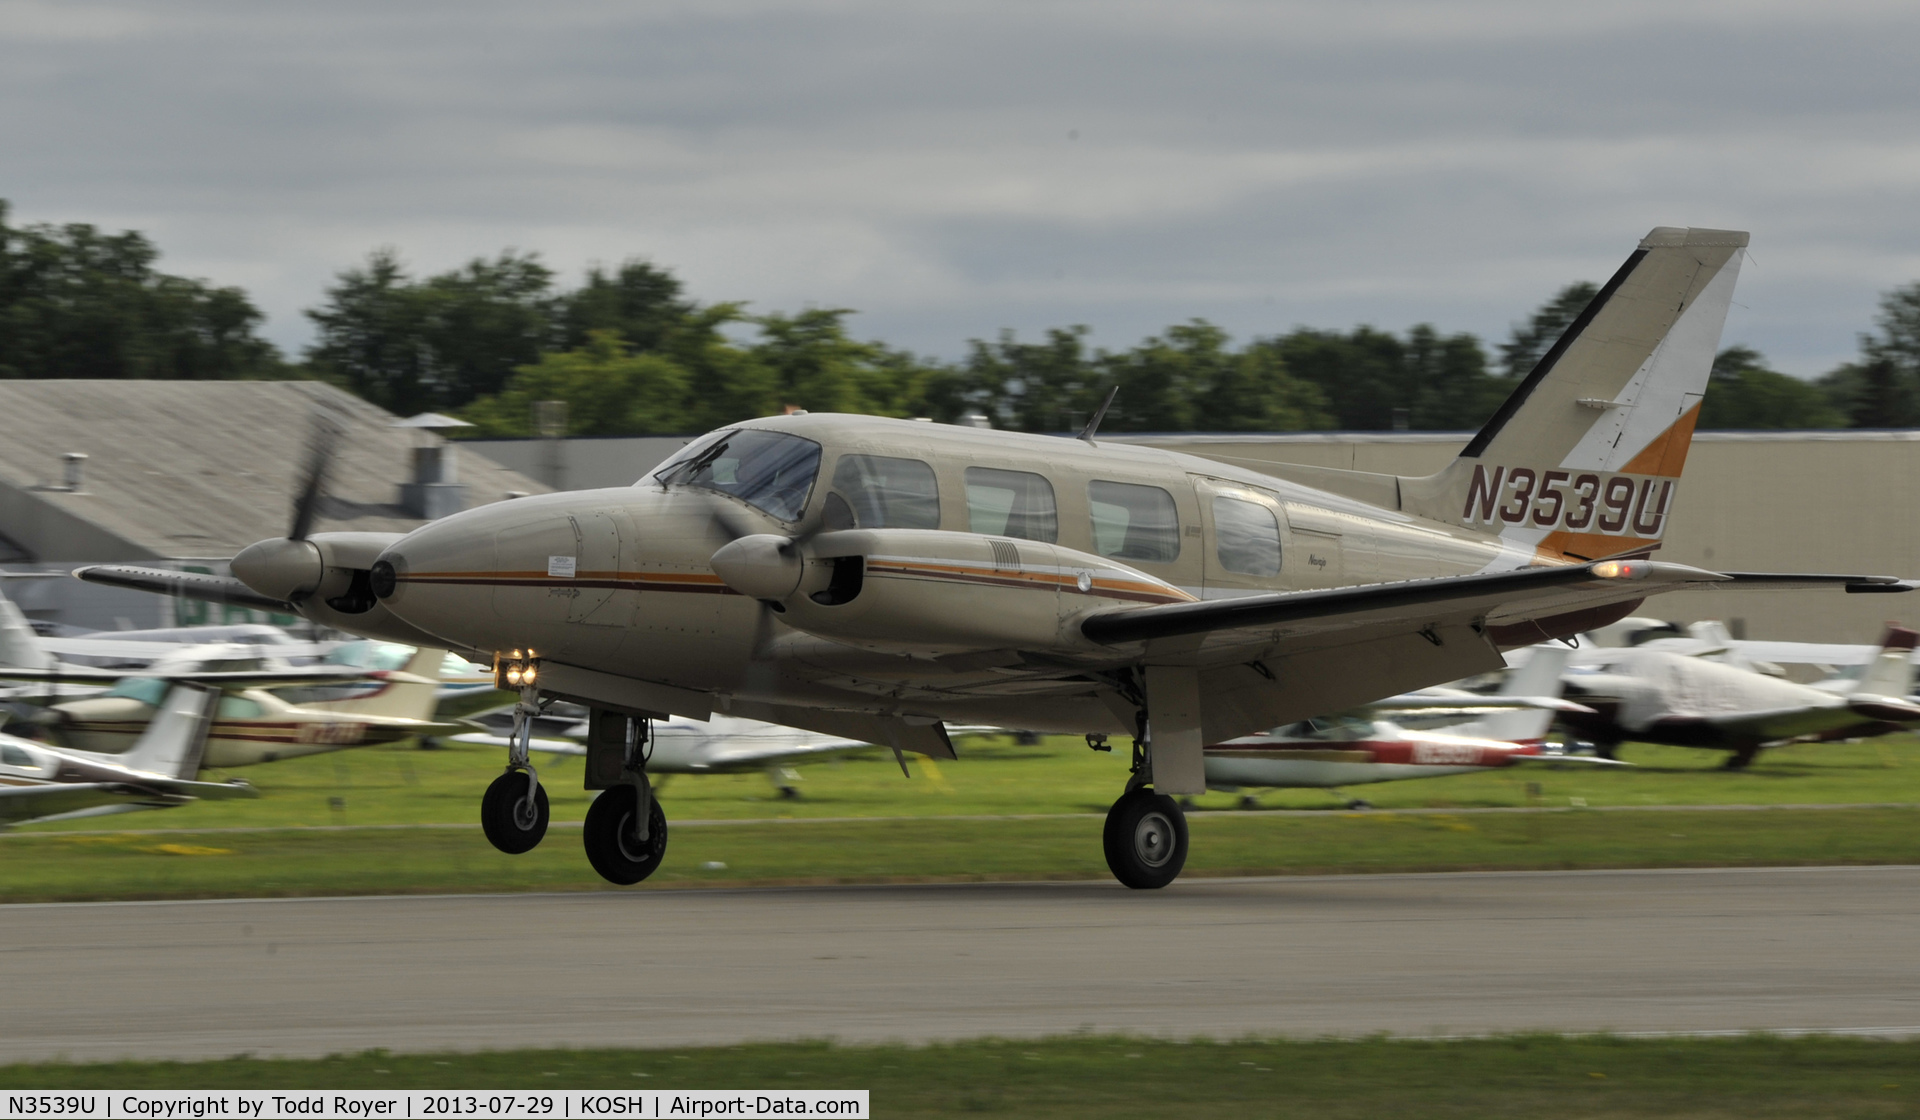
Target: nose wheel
[[616, 847], [513, 813]]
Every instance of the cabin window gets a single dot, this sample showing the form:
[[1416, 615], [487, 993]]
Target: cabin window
[[888, 493], [771, 471], [1011, 504], [17, 756], [147, 690], [1134, 522], [239, 707], [1246, 537]]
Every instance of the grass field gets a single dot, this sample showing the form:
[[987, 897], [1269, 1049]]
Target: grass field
[[402, 785], [401, 820], [1110, 1078], [389, 860]]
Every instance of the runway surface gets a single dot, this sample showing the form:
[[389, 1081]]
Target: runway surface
[[1705, 950]]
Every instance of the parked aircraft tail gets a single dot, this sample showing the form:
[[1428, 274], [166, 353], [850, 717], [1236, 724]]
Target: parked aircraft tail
[[1891, 673], [1540, 676], [20, 647], [407, 698], [176, 737], [1582, 461]]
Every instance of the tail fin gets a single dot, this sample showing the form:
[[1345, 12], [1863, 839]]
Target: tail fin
[[1540, 676], [20, 647], [1583, 459], [176, 738], [1891, 673], [408, 699]]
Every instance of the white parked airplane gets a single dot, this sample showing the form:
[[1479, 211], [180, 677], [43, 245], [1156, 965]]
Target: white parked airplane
[[39, 782], [1648, 695]]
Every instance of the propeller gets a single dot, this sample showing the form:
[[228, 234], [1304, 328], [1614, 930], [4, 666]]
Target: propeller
[[768, 566], [290, 568]]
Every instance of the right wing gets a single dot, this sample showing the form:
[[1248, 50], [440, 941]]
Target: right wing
[[186, 585]]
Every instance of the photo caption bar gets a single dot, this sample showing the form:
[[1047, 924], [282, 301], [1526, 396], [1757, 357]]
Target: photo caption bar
[[369, 1104]]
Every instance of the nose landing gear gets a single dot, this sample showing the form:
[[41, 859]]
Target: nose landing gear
[[513, 813]]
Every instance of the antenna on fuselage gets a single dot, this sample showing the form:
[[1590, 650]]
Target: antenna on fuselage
[[1099, 414]]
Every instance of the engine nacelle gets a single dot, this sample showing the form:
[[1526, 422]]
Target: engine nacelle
[[936, 592]]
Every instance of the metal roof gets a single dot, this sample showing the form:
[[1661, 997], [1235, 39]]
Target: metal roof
[[199, 469]]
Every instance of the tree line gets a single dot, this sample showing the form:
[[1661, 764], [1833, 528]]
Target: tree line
[[631, 354]]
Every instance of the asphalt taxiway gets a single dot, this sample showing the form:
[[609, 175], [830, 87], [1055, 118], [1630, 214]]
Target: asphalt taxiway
[[1692, 950]]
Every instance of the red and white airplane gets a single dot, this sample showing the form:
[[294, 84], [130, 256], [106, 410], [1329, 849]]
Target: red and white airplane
[[1361, 747]]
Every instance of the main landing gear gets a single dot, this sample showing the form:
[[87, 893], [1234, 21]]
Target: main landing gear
[[626, 830], [1145, 838], [514, 813]]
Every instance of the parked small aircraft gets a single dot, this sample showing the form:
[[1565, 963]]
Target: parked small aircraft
[[263, 719], [1649, 695], [1360, 747], [874, 578], [38, 782]]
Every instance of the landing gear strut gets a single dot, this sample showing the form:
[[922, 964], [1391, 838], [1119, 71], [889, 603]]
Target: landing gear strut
[[626, 830], [514, 813], [1145, 838]]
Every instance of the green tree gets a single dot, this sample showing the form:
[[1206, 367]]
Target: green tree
[[641, 301], [609, 390], [76, 302], [1742, 393], [1190, 379], [1531, 340], [1882, 389], [1049, 386], [411, 346]]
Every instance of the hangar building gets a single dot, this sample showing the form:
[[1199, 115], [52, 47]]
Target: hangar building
[[184, 474]]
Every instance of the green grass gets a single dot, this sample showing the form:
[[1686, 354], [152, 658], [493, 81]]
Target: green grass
[[402, 785], [1110, 1078], [404, 860]]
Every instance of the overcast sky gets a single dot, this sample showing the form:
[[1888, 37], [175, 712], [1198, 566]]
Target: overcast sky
[[950, 170]]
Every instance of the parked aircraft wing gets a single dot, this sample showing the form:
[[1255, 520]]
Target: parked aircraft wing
[[187, 585], [19, 804], [236, 678], [1414, 704], [1575, 759], [549, 746], [1733, 729]]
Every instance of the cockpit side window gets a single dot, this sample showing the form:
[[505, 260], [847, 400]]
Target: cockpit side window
[[1134, 522], [770, 471], [884, 492], [1011, 504], [147, 690], [17, 756]]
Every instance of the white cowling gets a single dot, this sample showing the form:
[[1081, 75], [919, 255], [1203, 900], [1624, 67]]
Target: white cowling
[[283, 568], [760, 566]]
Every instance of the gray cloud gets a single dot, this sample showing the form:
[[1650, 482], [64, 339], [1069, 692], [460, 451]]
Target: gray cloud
[[953, 169]]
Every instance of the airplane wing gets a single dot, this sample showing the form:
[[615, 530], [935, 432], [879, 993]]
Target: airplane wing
[[235, 678], [1575, 759], [187, 585], [19, 804], [1514, 598], [549, 746], [1414, 704]]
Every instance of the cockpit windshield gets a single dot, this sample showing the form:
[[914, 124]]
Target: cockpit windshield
[[771, 471]]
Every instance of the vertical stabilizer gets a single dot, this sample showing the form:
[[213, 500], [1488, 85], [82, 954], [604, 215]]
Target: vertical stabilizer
[[1538, 678], [176, 737], [1583, 459], [405, 698], [20, 647], [1891, 673]]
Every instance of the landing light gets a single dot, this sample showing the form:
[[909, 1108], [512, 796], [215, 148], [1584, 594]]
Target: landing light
[[513, 673]]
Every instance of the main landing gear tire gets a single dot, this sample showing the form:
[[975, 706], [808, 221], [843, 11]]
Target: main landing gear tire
[[1145, 839], [613, 844], [510, 823]]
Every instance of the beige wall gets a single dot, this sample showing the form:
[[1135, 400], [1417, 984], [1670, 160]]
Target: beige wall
[[1812, 502]]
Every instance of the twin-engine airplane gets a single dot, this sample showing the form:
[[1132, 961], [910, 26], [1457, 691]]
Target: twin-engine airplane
[[874, 578]]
